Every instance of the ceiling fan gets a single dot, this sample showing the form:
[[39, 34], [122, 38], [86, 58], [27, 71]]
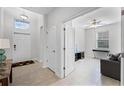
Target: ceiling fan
[[94, 23]]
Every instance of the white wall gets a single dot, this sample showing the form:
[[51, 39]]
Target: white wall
[[79, 39], [90, 42], [44, 42], [56, 19], [1, 22], [114, 39], [35, 20]]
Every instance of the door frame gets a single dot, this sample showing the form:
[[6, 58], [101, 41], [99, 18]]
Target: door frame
[[122, 50], [64, 48], [63, 36]]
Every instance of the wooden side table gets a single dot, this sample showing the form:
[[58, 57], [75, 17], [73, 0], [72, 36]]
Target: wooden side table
[[6, 73]]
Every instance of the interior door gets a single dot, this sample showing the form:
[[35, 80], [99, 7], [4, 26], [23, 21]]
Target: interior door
[[21, 47], [52, 48], [69, 48]]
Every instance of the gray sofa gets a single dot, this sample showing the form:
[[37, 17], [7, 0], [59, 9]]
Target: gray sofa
[[110, 68]]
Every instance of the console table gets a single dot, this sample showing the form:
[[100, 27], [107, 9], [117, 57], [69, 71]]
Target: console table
[[100, 50], [6, 73]]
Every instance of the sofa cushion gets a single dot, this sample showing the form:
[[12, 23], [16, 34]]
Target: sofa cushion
[[110, 68]]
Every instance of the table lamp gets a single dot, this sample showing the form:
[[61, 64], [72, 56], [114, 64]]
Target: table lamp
[[4, 43]]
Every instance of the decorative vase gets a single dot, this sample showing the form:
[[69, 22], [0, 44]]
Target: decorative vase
[[2, 56]]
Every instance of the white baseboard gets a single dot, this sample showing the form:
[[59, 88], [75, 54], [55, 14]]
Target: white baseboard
[[44, 65], [59, 75]]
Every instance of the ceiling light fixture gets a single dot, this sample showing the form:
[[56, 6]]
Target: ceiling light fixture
[[24, 17], [93, 24]]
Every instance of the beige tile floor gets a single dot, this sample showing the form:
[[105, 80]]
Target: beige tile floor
[[33, 75], [86, 73]]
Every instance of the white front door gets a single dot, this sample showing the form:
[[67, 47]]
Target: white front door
[[69, 48], [21, 47], [52, 48]]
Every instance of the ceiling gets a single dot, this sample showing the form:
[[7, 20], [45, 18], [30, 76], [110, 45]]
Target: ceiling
[[105, 15], [40, 10]]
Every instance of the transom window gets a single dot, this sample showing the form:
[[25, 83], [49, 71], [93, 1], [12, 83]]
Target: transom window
[[19, 24]]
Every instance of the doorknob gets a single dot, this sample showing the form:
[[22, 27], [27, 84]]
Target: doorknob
[[14, 47]]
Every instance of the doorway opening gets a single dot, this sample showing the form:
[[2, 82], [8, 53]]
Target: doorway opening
[[91, 40]]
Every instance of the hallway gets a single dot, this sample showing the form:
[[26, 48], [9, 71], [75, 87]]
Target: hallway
[[87, 72]]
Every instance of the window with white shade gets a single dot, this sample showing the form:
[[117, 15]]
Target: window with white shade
[[103, 39]]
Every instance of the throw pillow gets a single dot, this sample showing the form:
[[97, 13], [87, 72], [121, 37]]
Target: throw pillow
[[114, 57]]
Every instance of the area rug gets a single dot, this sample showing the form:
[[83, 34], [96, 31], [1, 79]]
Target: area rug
[[23, 63]]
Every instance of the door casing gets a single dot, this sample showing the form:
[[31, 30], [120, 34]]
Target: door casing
[[69, 40]]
